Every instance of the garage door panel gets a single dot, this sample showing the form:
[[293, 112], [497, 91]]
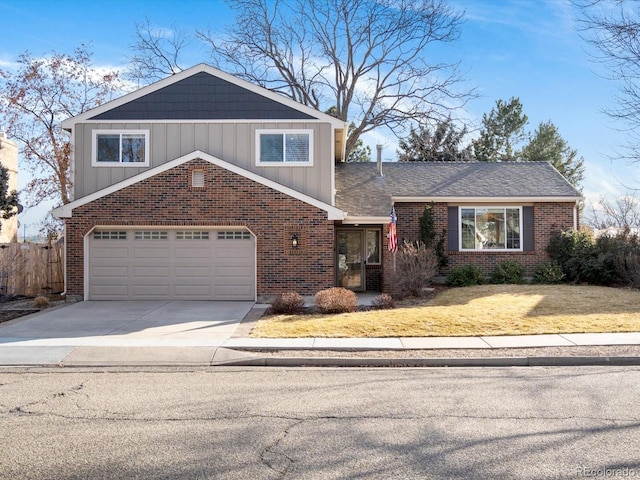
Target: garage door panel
[[233, 252], [150, 271], [148, 291], [150, 252], [227, 262], [187, 272], [183, 291], [229, 292], [110, 271], [111, 253], [108, 292], [197, 253], [174, 265], [234, 272]]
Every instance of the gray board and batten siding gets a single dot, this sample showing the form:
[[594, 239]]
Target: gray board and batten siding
[[231, 142], [207, 113]]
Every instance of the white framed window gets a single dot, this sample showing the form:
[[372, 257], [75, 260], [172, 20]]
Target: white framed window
[[284, 148], [490, 228], [126, 148]]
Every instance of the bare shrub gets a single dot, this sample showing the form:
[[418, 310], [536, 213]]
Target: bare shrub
[[415, 267], [336, 300], [383, 302], [40, 302], [288, 303], [628, 268]]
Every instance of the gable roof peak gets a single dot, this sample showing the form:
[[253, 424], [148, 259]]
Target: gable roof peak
[[199, 90]]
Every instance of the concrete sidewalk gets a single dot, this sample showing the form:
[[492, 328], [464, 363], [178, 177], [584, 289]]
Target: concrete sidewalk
[[205, 333]]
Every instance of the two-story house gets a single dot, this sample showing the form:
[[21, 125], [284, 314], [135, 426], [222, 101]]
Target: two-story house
[[204, 186]]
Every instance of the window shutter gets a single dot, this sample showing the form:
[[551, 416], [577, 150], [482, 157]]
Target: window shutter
[[528, 239], [453, 228]]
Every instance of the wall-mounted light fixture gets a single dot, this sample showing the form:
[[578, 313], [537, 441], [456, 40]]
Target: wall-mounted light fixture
[[294, 241]]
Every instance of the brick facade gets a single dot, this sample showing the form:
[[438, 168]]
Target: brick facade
[[227, 199], [549, 218]]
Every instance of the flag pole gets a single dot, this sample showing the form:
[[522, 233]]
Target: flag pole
[[393, 236]]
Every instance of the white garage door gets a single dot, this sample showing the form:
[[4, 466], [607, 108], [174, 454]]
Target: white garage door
[[149, 264]]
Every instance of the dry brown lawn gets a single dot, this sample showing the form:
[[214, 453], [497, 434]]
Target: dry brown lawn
[[475, 311]]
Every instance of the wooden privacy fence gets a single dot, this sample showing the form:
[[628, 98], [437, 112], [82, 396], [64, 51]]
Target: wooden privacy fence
[[31, 269]]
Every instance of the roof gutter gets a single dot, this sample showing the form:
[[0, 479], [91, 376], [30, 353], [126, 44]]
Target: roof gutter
[[486, 199]]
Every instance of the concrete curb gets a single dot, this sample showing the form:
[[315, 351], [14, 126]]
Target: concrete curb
[[435, 362]]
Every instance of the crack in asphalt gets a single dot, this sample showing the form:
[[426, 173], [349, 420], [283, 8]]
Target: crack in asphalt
[[274, 459]]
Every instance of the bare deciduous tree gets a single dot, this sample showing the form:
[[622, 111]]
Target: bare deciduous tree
[[623, 212], [156, 52], [368, 58], [35, 98], [612, 27]]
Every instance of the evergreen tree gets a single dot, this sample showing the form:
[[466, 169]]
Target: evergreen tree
[[8, 200], [548, 145], [502, 132], [443, 143]]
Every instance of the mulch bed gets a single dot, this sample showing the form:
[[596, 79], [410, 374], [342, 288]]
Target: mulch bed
[[12, 307]]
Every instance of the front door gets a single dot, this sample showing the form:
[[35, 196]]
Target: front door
[[350, 265]]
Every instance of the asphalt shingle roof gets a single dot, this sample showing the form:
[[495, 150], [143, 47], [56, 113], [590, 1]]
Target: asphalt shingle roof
[[361, 193]]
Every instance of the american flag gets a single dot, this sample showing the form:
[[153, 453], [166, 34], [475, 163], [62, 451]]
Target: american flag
[[393, 237]]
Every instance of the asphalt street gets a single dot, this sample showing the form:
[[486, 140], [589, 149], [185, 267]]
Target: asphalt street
[[233, 422]]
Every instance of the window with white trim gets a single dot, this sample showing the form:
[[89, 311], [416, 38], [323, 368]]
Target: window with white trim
[[284, 147], [490, 228], [127, 148]]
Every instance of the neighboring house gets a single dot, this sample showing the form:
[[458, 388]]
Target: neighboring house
[[9, 159], [203, 186]]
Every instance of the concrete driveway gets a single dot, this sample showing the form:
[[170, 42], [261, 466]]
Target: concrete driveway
[[128, 323]]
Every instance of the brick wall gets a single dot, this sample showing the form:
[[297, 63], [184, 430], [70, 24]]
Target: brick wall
[[227, 199], [548, 219]]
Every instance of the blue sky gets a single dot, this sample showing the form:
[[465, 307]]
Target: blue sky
[[524, 48]]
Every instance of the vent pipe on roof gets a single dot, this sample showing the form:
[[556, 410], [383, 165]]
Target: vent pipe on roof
[[379, 148]]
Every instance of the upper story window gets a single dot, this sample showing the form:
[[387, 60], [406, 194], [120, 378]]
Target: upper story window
[[122, 148], [284, 147], [491, 228]]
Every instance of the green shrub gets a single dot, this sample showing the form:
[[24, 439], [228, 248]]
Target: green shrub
[[465, 276], [383, 301], [288, 303], [508, 271], [428, 235], [549, 273], [416, 265], [595, 261], [336, 300]]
